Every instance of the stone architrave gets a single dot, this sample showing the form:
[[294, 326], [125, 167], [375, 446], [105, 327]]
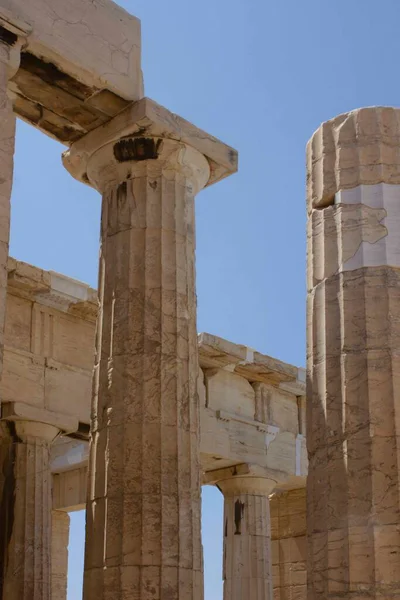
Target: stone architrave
[[353, 357], [247, 561], [143, 536]]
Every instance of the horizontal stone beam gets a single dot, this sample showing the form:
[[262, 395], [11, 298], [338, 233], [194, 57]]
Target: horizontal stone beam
[[94, 41]]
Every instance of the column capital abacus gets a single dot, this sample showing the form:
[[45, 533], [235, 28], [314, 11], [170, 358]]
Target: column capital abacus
[[146, 139], [257, 486]]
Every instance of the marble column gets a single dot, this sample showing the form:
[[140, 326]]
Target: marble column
[[247, 561], [353, 357], [143, 522], [289, 544], [143, 529], [25, 510], [59, 554], [10, 45]]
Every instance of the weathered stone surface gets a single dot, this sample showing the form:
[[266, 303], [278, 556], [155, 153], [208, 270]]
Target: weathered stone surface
[[353, 359], [143, 517], [94, 41], [9, 61], [247, 562], [59, 554], [360, 147], [289, 547], [25, 523], [49, 342]]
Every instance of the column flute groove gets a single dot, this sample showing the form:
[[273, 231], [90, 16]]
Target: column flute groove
[[143, 534], [353, 357]]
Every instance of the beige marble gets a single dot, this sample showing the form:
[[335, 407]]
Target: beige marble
[[25, 523], [357, 148], [251, 405], [247, 560], [143, 535], [10, 46], [352, 355], [289, 545], [59, 554], [94, 41]]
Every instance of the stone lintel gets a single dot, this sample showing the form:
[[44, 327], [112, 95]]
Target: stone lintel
[[71, 296], [94, 41], [216, 352], [18, 411], [67, 454], [52, 289], [146, 119]]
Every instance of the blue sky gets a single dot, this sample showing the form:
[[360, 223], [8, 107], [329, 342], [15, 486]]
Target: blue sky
[[261, 75]]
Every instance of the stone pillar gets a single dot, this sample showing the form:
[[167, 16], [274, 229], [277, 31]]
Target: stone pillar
[[353, 356], [10, 46], [247, 562], [143, 537], [25, 510], [59, 554], [289, 547]]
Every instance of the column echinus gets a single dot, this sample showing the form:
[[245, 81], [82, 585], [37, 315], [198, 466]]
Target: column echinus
[[143, 537], [247, 561], [354, 356]]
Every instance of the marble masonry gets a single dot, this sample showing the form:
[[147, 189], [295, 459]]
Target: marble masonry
[[252, 431], [111, 401]]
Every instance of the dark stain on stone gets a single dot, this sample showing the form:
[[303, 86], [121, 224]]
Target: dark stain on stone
[[85, 178], [239, 510], [82, 433], [7, 37], [136, 148], [7, 502], [226, 528], [50, 73], [122, 191], [153, 184]]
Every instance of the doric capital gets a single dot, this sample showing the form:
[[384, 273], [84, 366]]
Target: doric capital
[[254, 486], [20, 412], [13, 36], [361, 147], [143, 139]]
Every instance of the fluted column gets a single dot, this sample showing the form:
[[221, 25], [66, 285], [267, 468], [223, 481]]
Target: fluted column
[[59, 554], [247, 561], [25, 510], [10, 46], [143, 529], [353, 356]]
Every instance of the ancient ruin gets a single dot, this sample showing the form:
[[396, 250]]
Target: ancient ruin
[[110, 401]]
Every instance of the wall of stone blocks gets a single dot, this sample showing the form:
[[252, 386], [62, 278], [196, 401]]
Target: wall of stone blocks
[[289, 550]]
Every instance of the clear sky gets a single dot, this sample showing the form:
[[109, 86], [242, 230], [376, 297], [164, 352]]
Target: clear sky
[[261, 75]]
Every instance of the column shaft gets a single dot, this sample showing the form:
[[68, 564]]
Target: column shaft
[[353, 357], [289, 544], [25, 509], [59, 554], [7, 146], [143, 513], [247, 561]]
